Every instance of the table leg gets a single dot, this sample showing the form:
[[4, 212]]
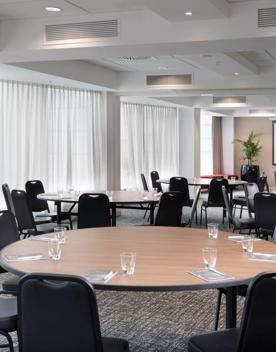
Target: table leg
[[113, 215], [231, 307], [152, 213]]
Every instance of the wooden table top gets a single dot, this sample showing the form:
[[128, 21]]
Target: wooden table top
[[165, 256], [122, 197], [197, 181]]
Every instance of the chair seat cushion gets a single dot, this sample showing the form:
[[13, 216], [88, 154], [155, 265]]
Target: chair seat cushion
[[188, 204], [11, 284], [8, 314], [244, 223], [219, 341], [239, 201], [112, 344]]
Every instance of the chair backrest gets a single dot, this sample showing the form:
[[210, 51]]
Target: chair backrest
[[180, 184], [154, 175], [262, 184], [23, 213], [215, 191], [59, 313], [273, 239], [8, 198], [33, 188], [258, 326], [250, 189], [265, 210], [8, 229], [169, 212], [144, 182], [93, 210], [194, 206], [227, 203]]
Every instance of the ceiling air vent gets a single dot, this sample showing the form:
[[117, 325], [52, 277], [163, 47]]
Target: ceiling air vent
[[82, 30], [169, 80], [267, 17]]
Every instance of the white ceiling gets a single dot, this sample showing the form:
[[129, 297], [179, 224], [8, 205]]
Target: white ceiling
[[220, 39]]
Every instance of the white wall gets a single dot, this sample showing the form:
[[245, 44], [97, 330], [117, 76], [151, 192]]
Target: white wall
[[228, 146]]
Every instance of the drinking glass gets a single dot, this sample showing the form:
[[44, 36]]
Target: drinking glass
[[60, 234], [213, 230], [209, 256], [109, 194], [128, 261], [248, 243], [54, 248]]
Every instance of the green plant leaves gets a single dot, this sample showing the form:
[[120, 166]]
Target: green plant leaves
[[251, 146]]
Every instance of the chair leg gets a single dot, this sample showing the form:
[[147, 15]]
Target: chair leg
[[10, 343], [206, 220], [200, 221], [241, 211], [196, 215], [218, 310]]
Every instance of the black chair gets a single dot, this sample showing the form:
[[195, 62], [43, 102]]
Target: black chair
[[215, 198], [258, 326], [94, 210], [169, 212], [194, 206], [250, 190], [8, 198], [59, 313], [35, 187], [154, 175], [24, 216], [144, 182], [8, 319], [180, 184], [8, 234], [263, 184], [265, 210], [238, 223]]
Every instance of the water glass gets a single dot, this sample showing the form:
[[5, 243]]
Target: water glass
[[248, 243], [213, 230], [109, 194], [60, 234], [209, 256], [54, 249], [128, 261]]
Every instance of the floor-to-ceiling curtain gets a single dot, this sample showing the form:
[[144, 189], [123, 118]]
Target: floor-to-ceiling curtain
[[149, 141], [57, 135]]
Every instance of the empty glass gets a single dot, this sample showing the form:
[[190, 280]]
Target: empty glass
[[248, 243], [54, 249], [128, 261], [209, 255], [213, 230], [109, 194], [60, 234]]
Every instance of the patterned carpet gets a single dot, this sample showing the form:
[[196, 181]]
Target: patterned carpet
[[156, 322]]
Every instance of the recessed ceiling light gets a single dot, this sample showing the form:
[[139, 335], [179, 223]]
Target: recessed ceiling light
[[236, 73], [52, 9], [188, 13], [206, 95], [162, 68]]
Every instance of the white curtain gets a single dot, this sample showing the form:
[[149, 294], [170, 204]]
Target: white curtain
[[57, 135], [149, 141]]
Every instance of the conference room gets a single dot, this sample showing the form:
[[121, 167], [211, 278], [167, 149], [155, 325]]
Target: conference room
[[138, 175]]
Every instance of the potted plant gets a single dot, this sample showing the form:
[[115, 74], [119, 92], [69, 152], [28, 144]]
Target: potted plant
[[251, 149]]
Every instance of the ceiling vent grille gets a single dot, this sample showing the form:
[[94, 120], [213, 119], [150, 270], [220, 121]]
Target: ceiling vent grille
[[169, 80], [267, 17], [82, 30]]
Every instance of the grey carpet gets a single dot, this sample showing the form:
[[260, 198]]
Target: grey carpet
[[157, 322]]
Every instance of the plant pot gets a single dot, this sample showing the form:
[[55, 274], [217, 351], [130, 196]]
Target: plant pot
[[250, 173]]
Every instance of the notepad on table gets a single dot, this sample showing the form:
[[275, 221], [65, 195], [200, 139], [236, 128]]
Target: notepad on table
[[263, 257], [99, 275], [24, 257], [240, 238], [42, 238], [211, 275]]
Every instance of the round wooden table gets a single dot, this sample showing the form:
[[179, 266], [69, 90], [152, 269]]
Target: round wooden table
[[117, 199], [165, 258]]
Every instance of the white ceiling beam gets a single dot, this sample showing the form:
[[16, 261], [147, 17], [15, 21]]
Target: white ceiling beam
[[248, 65]]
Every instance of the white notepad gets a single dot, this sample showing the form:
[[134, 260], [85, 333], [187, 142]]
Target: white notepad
[[94, 275], [211, 275]]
